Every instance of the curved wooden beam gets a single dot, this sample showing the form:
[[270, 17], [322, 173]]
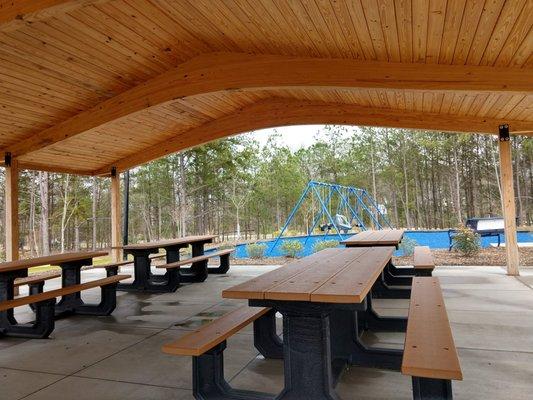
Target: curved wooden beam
[[281, 112], [15, 13], [215, 72]]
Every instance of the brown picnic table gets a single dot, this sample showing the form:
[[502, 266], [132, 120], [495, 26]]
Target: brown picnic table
[[71, 302], [324, 299], [145, 281]]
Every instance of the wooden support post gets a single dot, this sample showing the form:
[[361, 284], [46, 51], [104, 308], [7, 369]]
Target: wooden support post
[[116, 252], [12, 209], [508, 200]]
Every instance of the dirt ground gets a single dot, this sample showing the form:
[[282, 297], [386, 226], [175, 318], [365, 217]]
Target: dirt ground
[[490, 257]]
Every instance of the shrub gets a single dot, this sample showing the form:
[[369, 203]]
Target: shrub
[[291, 248], [325, 244], [408, 246], [256, 250], [466, 241]]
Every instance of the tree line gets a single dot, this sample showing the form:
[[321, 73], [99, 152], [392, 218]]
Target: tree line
[[242, 190]]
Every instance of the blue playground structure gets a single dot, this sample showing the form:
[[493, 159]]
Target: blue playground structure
[[340, 208]]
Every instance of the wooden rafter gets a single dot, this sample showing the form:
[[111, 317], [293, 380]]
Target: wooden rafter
[[215, 72], [278, 112]]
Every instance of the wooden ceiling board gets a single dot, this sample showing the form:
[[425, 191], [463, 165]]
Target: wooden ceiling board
[[59, 59]]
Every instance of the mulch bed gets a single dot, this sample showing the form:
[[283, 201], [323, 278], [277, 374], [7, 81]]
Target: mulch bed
[[492, 256]]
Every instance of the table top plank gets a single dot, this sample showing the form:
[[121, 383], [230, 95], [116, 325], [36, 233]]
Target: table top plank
[[54, 259], [331, 275], [171, 242], [301, 286], [255, 288], [384, 237], [352, 283]]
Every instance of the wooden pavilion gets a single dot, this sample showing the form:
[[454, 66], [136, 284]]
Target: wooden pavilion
[[96, 87]]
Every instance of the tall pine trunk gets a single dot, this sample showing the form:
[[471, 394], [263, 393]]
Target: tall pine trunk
[[45, 211]]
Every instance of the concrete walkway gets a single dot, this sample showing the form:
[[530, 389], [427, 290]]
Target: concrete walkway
[[119, 357]]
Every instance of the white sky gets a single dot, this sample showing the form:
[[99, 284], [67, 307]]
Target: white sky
[[295, 137]]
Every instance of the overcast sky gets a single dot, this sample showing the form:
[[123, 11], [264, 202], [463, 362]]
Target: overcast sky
[[295, 137]]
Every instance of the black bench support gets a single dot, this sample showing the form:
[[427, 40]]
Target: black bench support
[[208, 378], [266, 340], [432, 389], [381, 290], [44, 313], [223, 267], [73, 304], [371, 320], [198, 271], [393, 270], [396, 280]]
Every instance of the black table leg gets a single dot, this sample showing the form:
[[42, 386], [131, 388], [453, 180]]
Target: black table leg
[[198, 271], [143, 281], [72, 303], [70, 275], [172, 255], [307, 356], [347, 344]]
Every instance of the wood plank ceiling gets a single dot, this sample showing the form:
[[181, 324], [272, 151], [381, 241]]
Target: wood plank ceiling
[[59, 59]]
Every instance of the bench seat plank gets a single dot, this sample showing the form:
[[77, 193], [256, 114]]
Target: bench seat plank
[[423, 258], [201, 340], [191, 260], [429, 350], [9, 304], [157, 256], [37, 278], [109, 265]]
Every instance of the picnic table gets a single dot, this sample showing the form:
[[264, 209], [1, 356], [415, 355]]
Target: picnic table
[[70, 264], [320, 297], [145, 281], [371, 238]]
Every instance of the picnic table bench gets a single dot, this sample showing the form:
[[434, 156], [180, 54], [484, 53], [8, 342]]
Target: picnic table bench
[[44, 303], [221, 269], [318, 297], [423, 261], [429, 356]]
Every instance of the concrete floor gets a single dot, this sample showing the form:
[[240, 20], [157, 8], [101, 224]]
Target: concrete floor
[[119, 357]]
